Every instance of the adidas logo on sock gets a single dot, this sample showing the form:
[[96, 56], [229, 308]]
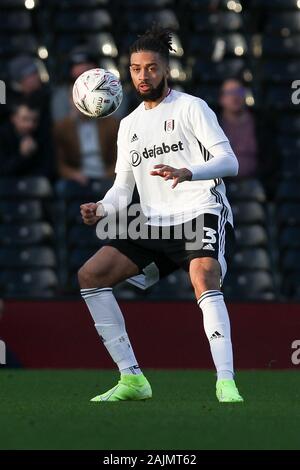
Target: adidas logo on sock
[[216, 335], [208, 247], [134, 138]]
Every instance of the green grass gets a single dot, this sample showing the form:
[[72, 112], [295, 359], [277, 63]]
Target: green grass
[[50, 409]]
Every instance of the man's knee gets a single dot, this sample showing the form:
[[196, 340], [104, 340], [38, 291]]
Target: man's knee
[[84, 277], [205, 274], [88, 279]]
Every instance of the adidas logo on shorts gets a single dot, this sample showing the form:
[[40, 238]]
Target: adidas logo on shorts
[[208, 247]]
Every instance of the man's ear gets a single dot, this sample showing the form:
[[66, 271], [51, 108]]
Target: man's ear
[[168, 71]]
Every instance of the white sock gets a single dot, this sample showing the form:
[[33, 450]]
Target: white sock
[[217, 328], [110, 325]]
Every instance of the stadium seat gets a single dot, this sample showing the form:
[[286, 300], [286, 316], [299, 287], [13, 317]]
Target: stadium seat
[[290, 261], [252, 235], [31, 187], [281, 71], [176, 286], [144, 4], [203, 46], [281, 46], [246, 190], [290, 164], [37, 257], [88, 21], [83, 235], [139, 23], [216, 22], [11, 211], [204, 23], [72, 4], [251, 285], [279, 98], [275, 4], [12, 4], [249, 259], [288, 190], [291, 286], [67, 189], [289, 124], [289, 143], [125, 291], [248, 213], [79, 256], [102, 43], [219, 71], [218, 46], [18, 44], [283, 23], [73, 212], [208, 93], [25, 234], [13, 21], [289, 238], [288, 214], [41, 283], [177, 72], [204, 5]]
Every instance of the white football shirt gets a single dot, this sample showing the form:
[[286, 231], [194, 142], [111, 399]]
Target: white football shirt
[[178, 132]]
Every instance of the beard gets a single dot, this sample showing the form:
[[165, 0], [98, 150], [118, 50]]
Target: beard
[[154, 93]]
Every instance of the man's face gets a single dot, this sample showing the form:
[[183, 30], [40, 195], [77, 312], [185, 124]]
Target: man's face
[[232, 96], [25, 120], [31, 83], [149, 73]]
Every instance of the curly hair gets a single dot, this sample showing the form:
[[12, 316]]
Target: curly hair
[[156, 39]]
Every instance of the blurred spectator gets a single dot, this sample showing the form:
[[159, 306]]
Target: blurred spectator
[[24, 151], [251, 134], [85, 148], [25, 83], [239, 125]]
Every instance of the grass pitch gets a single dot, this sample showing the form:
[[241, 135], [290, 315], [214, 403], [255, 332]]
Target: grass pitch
[[50, 409]]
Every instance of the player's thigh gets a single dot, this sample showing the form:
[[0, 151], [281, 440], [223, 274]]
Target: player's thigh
[[105, 268], [205, 273]]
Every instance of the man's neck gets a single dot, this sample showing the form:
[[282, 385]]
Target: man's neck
[[153, 104]]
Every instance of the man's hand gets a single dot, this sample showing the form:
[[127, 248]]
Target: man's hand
[[88, 213], [170, 173]]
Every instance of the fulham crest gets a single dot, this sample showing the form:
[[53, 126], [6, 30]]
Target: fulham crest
[[169, 125]]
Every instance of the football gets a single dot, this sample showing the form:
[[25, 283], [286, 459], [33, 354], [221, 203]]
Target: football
[[97, 93]]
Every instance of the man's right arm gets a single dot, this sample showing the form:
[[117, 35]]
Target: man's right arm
[[117, 198], [120, 194]]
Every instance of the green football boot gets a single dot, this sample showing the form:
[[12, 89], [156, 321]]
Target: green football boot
[[129, 388], [227, 392]]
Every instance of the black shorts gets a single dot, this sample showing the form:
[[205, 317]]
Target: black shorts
[[174, 247]]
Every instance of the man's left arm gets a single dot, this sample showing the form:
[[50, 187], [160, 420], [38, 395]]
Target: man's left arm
[[219, 159], [222, 162]]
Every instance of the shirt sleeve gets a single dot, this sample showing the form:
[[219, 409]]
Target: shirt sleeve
[[119, 195], [204, 124], [221, 162], [123, 155]]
